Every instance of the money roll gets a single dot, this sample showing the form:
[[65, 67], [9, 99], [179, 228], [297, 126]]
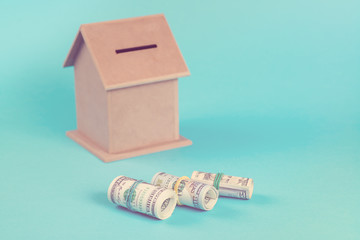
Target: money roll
[[142, 197], [229, 186], [190, 193]]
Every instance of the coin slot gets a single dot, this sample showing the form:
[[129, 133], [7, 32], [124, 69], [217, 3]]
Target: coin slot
[[133, 49]]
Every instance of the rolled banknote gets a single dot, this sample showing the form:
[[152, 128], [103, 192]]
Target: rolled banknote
[[142, 197], [229, 186], [190, 193]]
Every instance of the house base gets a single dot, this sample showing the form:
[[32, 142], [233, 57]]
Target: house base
[[109, 157]]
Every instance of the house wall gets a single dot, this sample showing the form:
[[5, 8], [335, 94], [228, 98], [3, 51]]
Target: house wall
[[91, 100], [143, 115]]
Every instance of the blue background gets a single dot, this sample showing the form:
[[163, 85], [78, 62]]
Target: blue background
[[273, 95]]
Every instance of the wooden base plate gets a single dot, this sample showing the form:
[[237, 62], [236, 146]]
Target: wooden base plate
[[109, 157]]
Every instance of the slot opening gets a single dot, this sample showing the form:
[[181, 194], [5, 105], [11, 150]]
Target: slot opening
[[138, 48]]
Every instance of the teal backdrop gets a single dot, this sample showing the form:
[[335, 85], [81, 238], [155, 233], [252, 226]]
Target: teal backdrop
[[273, 95]]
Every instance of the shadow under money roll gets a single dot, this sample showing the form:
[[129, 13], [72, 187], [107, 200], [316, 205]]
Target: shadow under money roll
[[229, 186], [142, 197], [190, 192]]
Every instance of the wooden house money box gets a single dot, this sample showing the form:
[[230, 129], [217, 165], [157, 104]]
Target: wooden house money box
[[126, 87]]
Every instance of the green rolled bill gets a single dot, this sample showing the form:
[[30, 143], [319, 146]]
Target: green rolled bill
[[229, 186], [190, 192], [145, 198]]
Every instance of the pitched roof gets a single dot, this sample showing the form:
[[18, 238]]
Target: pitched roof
[[131, 51]]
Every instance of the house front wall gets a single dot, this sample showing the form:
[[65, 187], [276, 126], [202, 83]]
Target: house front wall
[[143, 115], [91, 101]]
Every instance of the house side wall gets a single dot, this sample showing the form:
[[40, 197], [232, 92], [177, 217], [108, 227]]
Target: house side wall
[[143, 115], [91, 100]]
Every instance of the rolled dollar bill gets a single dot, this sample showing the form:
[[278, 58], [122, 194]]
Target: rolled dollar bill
[[229, 186], [190, 192], [142, 197]]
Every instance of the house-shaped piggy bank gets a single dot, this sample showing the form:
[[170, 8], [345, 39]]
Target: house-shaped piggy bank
[[126, 87]]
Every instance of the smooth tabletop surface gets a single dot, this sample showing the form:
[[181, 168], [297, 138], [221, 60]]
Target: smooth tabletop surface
[[273, 95]]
